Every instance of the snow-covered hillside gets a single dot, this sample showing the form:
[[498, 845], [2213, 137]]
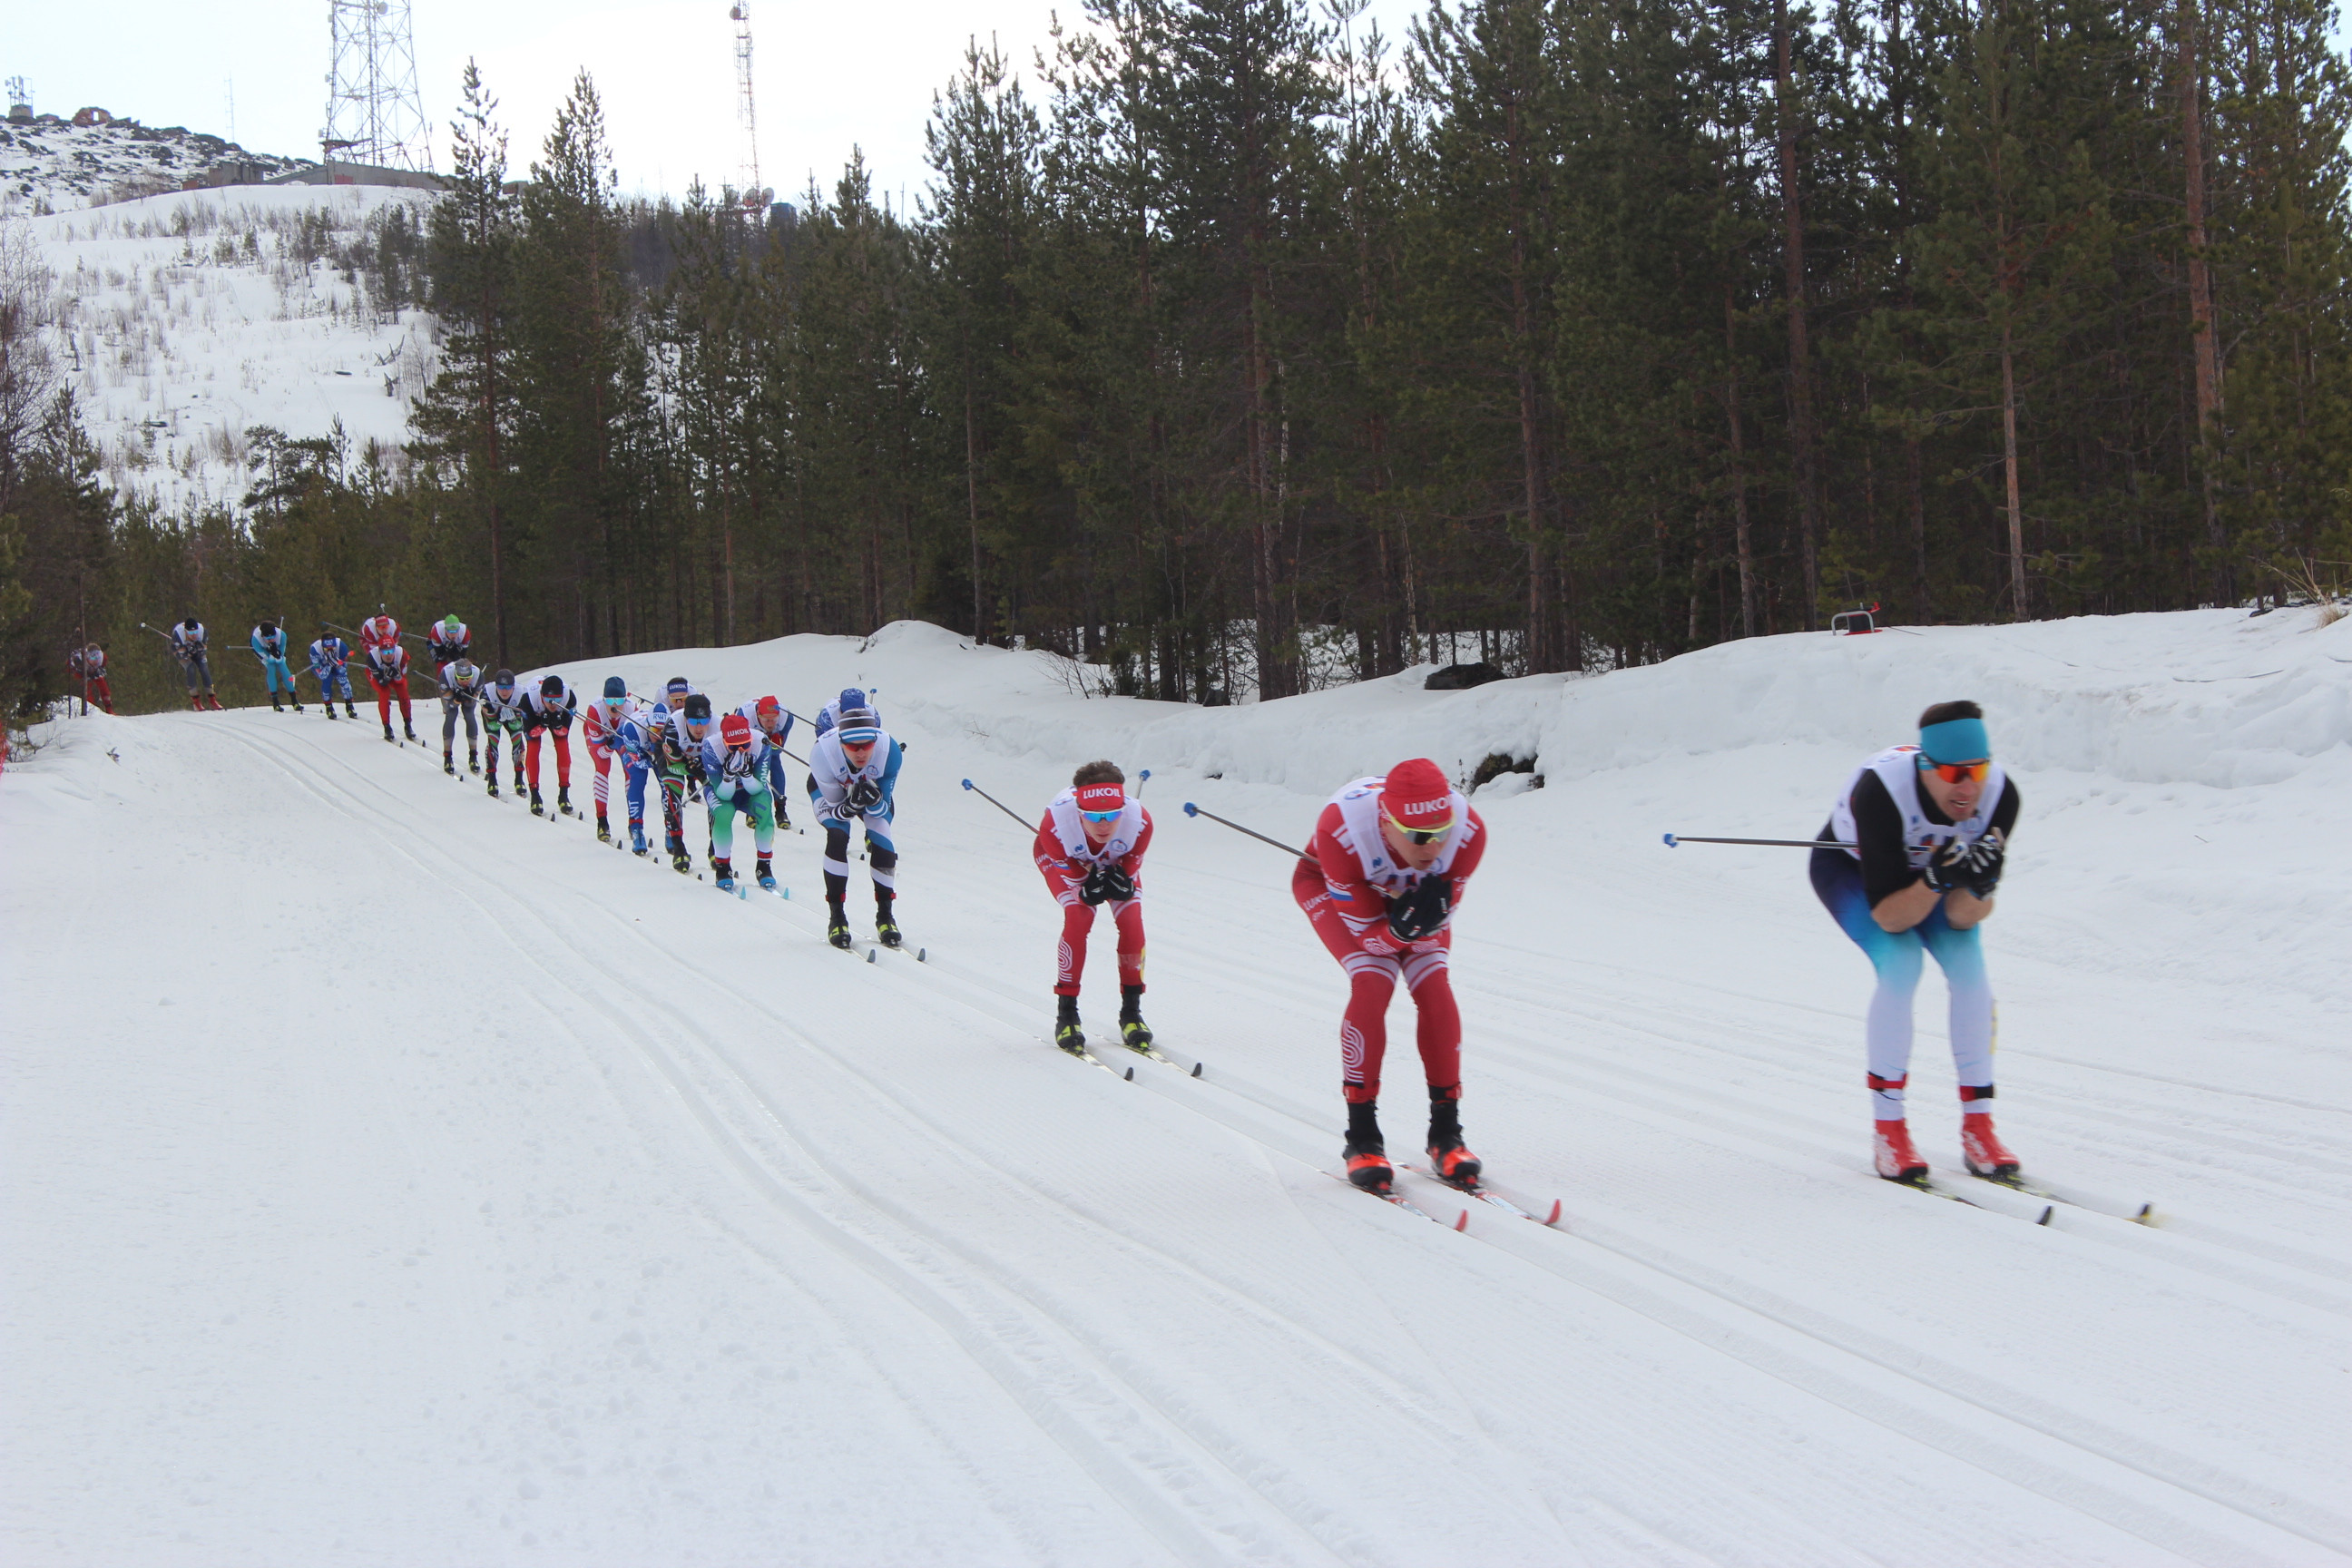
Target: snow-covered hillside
[[182, 321], [53, 166], [393, 1177]]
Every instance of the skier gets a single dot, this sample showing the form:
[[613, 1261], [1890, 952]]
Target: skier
[[1091, 848], [502, 714], [600, 731], [852, 777], [677, 747], [830, 714], [329, 655], [550, 710], [636, 741], [269, 644], [735, 764], [774, 726], [461, 689], [89, 664], [1380, 883], [195, 666], [378, 631], [387, 671], [1933, 822], [447, 641]]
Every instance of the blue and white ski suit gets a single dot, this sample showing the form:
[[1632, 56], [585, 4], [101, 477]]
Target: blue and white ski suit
[[831, 778], [327, 657], [271, 651]]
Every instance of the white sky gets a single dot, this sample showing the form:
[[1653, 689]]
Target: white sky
[[828, 76]]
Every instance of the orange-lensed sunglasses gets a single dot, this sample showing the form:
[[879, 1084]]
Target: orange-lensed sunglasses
[[1953, 772]]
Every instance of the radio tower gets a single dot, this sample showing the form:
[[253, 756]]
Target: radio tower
[[753, 195], [374, 115]]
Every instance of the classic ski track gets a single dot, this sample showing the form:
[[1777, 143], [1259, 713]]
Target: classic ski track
[[1101, 1360], [2088, 1439]]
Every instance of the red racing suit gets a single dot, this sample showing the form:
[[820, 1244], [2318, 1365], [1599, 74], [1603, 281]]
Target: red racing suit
[[387, 671], [1344, 882], [1065, 857]]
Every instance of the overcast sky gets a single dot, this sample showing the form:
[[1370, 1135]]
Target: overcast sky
[[828, 76]]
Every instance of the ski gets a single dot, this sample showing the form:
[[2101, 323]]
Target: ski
[[1398, 1200], [1487, 1195], [1936, 1189], [1087, 1056], [2144, 1214]]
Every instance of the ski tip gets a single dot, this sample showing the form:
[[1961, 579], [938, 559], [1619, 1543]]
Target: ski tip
[[1553, 1217], [869, 954], [1196, 1069], [1462, 1221], [922, 956], [2047, 1210], [2146, 1214], [1131, 1075]]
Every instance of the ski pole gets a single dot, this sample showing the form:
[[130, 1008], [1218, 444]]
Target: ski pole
[[1673, 840], [1192, 810], [1141, 780], [994, 802]]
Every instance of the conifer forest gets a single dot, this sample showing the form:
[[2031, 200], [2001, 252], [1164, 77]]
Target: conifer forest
[[1234, 350]]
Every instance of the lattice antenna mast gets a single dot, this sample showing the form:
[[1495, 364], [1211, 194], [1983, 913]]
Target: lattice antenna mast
[[740, 14], [374, 113]]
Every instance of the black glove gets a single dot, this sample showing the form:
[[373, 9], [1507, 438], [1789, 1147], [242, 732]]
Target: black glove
[[865, 794], [1984, 863], [1092, 891], [1420, 912], [1948, 866], [1117, 886]]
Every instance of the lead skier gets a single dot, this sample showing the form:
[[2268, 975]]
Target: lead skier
[[853, 778], [1380, 883], [269, 644], [1932, 822], [1090, 847]]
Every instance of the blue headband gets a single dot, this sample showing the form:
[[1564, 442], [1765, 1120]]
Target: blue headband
[[1955, 741]]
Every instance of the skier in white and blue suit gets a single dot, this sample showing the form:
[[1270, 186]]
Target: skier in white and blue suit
[[854, 777]]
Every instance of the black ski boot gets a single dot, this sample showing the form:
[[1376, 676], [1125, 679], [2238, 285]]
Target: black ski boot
[[722, 873], [1452, 1164], [410, 730], [1367, 1155], [679, 860], [604, 829], [766, 874], [349, 712], [563, 800], [275, 705], [389, 739], [298, 702], [886, 924], [473, 760], [1066, 1033], [1132, 1026], [331, 710], [837, 927], [450, 764], [536, 808]]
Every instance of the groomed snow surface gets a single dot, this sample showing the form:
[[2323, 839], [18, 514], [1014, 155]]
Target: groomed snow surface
[[392, 1178]]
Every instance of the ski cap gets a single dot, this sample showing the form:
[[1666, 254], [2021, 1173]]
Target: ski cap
[[1416, 797], [192, 623], [698, 706], [678, 687], [1955, 741], [615, 689], [506, 677], [269, 628], [464, 669], [767, 705], [859, 727], [551, 687], [851, 697], [735, 731], [452, 624], [1103, 796]]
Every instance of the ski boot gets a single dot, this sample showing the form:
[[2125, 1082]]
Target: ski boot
[[837, 928], [722, 874], [389, 739], [766, 874], [1367, 1152], [517, 785], [409, 730], [1980, 1146], [1066, 1033], [886, 924], [679, 860], [1453, 1164], [296, 700], [213, 700], [329, 707], [494, 786], [604, 829], [563, 800], [1892, 1152], [275, 705], [1132, 1026], [450, 764], [537, 809], [195, 703], [473, 760]]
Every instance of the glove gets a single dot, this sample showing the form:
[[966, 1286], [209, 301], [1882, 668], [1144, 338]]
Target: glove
[[1947, 868], [1983, 864], [1092, 891], [865, 794], [1117, 886], [1421, 912]]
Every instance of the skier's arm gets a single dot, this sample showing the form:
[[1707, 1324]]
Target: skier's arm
[[1358, 902], [1963, 906], [1132, 861], [890, 774], [1062, 879]]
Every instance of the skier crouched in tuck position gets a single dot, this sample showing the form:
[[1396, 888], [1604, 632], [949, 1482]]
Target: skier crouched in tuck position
[[852, 778], [387, 671], [1933, 822], [1380, 883], [677, 767], [195, 668], [600, 731], [736, 778], [502, 714], [461, 689], [550, 712], [1091, 848], [329, 655], [269, 644], [772, 724], [88, 665]]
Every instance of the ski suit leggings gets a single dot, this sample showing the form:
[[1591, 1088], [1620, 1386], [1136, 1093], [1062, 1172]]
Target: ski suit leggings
[[1078, 923], [881, 855], [333, 683], [1371, 980], [386, 690], [758, 806], [450, 704], [491, 730], [1899, 957], [276, 674], [562, 749], [94, 688], [198, 672]]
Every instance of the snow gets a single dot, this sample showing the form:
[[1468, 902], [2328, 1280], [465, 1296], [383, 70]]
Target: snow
[[394, 1177], [51, 165], [185, 319]]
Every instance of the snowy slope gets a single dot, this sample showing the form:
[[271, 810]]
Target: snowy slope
[[394, 1177], [182, 321], [52, 165]]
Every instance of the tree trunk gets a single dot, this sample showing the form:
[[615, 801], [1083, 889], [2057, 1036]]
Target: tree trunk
[[2201, 300], [1743, 535], [2009, 473], [1800, 386]]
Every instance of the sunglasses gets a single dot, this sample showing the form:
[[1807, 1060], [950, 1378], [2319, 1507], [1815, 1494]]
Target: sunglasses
[[1419, 835], [1953, 772], [1112, 816]]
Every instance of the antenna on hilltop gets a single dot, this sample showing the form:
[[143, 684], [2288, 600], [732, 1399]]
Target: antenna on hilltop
[[739, 12], [374, 113]]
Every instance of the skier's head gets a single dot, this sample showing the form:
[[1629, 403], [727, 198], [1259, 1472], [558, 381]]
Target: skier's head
[[192, 623], [850, 698], [1102, 798], [858, 730], [269, 628], [1955, 757], [735, 731], [616, 695], [674, 691], [769, 712], [504, 682], [464, 673], [551, 687], [696, 716], [1416, 813], [451, 626]]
